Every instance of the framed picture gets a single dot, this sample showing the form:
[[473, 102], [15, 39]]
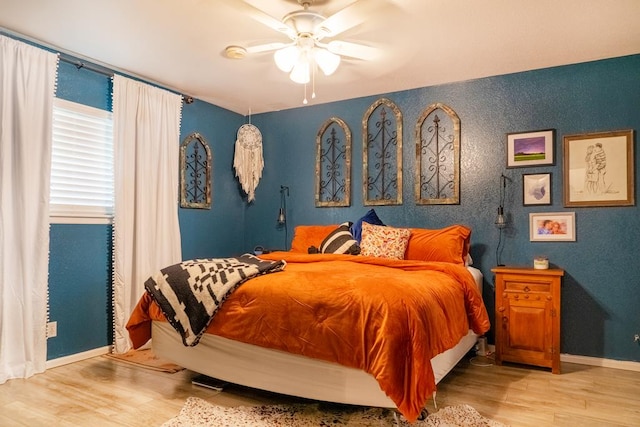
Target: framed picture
[[598, 169], [530, 148], [552, 227], [536, 189]]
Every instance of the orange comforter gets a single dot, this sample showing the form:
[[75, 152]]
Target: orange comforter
[[384, 316]]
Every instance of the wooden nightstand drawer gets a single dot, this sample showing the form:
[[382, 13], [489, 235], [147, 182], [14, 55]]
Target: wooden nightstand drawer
[[527, 286]]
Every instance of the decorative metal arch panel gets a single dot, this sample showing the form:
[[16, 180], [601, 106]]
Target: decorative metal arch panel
[[437, 180], [195, 172], [333, 164], [382, 154]]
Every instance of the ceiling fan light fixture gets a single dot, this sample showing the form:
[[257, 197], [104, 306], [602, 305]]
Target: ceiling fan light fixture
[[287, 58], [301, 72], [327, 61]]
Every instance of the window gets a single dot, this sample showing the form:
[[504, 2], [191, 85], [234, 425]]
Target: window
[[81, 164]]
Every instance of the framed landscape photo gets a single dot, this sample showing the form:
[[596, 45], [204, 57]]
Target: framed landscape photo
[[552, 227], [598, 169], [530, 148], [536, 189]]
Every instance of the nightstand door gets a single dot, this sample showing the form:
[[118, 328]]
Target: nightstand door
[[526, 326]]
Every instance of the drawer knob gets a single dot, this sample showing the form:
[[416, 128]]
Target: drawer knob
[[501, 309], [527, 289]]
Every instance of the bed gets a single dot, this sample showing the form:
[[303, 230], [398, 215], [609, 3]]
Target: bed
[[408, 322]]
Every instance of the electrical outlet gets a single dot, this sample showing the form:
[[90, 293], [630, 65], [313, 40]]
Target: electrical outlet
[[52, 329]]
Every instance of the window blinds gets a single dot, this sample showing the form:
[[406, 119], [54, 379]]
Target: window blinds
[[81, 162]]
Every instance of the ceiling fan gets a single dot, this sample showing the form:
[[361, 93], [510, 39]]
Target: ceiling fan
[[312, 44]]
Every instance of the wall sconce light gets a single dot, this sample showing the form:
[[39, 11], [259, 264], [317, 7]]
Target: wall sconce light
[[282, 213], [501, 220], [282, 217]]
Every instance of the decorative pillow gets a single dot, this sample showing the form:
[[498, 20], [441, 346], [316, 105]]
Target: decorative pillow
[[305, 236], [384, 242], [449, 244], [340, 241], [370, 217]]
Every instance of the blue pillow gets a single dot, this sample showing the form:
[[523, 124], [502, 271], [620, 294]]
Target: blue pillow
[[370, 218]]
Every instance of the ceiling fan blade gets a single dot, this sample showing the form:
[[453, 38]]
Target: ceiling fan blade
[[349, 17], [266, 47], [262, 17], [404, 5], [353, 50]]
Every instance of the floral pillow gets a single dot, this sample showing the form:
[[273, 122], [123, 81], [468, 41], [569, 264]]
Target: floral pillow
[[383, 241], [371, 217]]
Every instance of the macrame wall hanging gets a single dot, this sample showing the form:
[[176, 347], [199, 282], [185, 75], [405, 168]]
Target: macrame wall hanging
[[247, 160]]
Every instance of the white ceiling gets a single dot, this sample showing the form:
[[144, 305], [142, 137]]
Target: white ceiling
[[179, 44]]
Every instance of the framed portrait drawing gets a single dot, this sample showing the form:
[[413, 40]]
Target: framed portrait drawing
[[526, 149], [552, 227], [598, 169], [536, 189]]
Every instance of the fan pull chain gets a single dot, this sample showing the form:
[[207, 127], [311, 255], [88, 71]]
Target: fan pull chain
[[304, 101], [313, 82]]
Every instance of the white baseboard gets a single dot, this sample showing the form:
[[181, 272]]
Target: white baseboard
[[598, 361], [54, 363], [592, 361]]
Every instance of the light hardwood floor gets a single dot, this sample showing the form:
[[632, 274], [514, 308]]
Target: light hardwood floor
[[104, 392]]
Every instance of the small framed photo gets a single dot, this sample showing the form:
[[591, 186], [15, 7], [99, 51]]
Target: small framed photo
[[598, 169], [534, 148], [552, 227], [536, 189]]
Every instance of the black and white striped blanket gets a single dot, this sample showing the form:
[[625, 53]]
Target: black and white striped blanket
[[191, 292]]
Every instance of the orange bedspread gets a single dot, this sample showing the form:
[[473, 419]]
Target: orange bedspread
[[384, 316]]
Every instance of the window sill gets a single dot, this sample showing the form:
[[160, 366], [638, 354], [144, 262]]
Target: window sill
[[79, 220]]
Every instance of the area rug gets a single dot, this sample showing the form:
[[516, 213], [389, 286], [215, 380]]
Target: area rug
[[200, 413], [146, 359]]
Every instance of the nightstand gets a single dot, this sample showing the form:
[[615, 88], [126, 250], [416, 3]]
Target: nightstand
[[528, 316]]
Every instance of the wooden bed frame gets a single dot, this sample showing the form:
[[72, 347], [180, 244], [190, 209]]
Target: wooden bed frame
[[285, 373]]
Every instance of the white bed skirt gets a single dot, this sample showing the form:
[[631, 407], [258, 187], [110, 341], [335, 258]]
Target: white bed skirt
[[285, 373]]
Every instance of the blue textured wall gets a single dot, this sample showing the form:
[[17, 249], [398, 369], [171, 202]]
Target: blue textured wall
[[79, 288], [601, 291], [218, 231]]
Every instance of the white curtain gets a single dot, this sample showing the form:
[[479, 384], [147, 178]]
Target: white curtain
[[27, 87], [146, 123]]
